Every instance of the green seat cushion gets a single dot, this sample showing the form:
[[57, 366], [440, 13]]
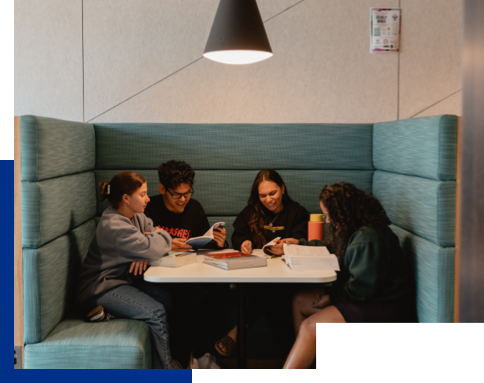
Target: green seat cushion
[[52, 207], [53, 148], [235, 146], [434, 268], [419, 205], [50, 277], [424, 147], [116, 344]]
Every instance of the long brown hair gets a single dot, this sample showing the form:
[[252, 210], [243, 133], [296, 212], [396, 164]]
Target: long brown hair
[[126, 182], [349, 209], [258, 216]]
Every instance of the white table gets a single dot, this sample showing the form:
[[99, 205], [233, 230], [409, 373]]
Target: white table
[[276, 272]]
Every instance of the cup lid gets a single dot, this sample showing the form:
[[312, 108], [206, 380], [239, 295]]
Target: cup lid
[[316, 218]]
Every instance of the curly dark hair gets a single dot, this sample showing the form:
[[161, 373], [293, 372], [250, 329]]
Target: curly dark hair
[[257, 210], [173, 173], [349, 209]]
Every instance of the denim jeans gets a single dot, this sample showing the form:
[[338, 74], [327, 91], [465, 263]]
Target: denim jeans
[[147, 302]]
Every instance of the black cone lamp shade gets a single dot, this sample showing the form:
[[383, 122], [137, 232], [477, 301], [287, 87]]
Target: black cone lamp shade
[[238, 35]]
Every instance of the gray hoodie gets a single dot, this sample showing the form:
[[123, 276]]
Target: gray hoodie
[[118, 242]]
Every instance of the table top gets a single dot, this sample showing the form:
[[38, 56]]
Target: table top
[[276, 272]]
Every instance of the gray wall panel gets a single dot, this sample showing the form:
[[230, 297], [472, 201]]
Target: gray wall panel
[[48, 58]]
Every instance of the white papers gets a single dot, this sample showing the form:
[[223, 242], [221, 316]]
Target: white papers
[[260, 253], [175, 259], [310, 258]]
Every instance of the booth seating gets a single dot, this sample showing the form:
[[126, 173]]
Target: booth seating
[[409, 165]]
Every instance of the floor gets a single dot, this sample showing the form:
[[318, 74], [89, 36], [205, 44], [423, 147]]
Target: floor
[[254, 363]]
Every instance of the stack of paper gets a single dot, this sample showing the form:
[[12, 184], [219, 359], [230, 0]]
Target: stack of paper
[[176, 259], [309, 258]]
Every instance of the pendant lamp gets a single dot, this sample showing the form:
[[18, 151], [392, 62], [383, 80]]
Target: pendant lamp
[[237, 35]]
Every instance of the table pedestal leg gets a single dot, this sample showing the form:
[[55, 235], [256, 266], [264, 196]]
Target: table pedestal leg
[[241, 329]]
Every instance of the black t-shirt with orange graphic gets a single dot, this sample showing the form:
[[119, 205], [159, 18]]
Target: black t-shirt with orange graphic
[[192, 222]]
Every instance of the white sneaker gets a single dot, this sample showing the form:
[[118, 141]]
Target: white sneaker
[[207, 361], [193, 363]]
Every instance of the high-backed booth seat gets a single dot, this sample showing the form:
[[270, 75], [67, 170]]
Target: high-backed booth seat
[[410, 165]]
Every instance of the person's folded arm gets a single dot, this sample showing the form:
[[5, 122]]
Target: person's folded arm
[[133, 245]]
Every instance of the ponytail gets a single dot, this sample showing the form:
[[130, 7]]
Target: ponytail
[[126, 182], [103, 191]]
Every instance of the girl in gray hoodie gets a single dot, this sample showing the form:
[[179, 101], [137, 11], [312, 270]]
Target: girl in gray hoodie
[[124, 241]]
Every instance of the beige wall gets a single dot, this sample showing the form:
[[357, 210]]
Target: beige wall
[[141, 61]]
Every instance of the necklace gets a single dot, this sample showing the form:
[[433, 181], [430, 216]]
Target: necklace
[[270, 223]]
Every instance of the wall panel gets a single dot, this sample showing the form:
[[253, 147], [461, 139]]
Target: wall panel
[[322, 71], [430, 59], [131, 45], [48, 58], [450, 105], [140, 63]]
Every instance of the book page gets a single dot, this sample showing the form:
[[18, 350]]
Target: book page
[[271, 243], [310, 257], [198, 242], [260, 253], [306, 251], [215, 226]]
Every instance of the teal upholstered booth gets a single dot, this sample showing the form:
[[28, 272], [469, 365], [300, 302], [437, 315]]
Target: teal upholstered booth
[[410, 165]]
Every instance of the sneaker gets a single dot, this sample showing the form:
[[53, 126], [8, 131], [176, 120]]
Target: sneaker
[[193, 363], [208, 362], [97, 314]]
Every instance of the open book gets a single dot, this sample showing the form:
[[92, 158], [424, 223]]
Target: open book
[[309, 258], [198, 242], [264, 253], [268, 244]]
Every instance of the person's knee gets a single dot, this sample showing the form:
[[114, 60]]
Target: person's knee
[[158, 314], [308, 327]]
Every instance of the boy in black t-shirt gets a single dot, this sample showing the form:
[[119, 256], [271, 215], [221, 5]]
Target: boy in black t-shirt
[[176, 212], [197, 307]]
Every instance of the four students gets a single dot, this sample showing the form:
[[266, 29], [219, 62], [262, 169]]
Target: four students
[[374, 284]]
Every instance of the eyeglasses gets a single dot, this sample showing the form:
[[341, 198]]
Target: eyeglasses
[[179, 195]]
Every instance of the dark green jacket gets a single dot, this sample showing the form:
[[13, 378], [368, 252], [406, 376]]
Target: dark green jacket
[[373, 268]]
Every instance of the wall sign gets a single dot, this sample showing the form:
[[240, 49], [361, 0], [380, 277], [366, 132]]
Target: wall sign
[[385, 26]]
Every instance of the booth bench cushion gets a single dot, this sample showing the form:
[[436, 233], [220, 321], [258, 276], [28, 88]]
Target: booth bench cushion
[[119, 343]]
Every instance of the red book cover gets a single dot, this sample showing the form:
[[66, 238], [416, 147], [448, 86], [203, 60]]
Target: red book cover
[[237, 254]]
